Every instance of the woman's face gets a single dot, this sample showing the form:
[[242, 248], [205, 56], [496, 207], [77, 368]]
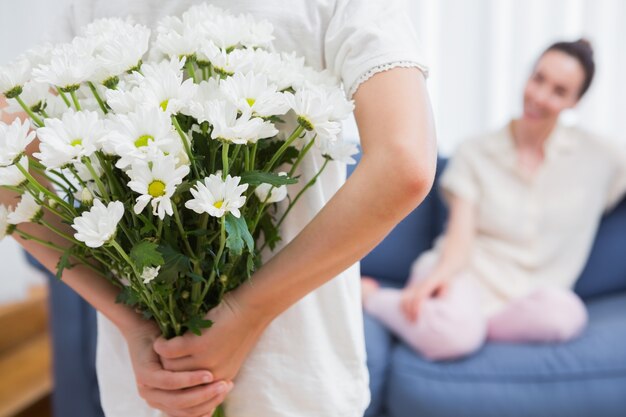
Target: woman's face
[[553, 86]]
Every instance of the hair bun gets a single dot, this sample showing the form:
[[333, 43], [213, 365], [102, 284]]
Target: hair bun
[[586, 43]]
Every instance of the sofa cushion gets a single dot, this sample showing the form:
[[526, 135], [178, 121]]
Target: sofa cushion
[[582, 378], [605, 271]]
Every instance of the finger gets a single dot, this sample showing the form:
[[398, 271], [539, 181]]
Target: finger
[[208, 408], [174, 348], [178, 401], [186, 363], [169, 381]]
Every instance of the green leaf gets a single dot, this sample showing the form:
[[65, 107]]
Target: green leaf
[[127, 296], [238, 234], [175, 264], [259, 177], [196, 324], [195, 277], [64, 262], [145, 254]]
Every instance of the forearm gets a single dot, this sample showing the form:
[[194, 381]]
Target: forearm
[[95, 289], [393, 177], [458, 241]]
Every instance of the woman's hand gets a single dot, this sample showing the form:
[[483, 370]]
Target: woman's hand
[[414, 295], [179, 394], [221, 348]]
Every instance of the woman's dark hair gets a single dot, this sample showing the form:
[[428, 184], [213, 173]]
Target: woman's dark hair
[[583, 52]]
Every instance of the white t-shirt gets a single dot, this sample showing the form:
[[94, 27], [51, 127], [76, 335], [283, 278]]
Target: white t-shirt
[[534, 232], [310, 362]]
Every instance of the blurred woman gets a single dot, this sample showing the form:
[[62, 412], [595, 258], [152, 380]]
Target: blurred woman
[[525, 202]]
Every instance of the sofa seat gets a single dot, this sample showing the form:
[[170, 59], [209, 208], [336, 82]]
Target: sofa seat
[[585, 377]]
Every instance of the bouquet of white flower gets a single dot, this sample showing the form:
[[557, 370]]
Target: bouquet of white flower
[[206, 125]]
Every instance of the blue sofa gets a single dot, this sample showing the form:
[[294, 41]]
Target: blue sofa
[[583, 378]]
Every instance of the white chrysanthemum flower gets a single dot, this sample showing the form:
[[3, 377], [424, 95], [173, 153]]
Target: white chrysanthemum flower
[[163, 86], [13, 77], [120, 47], [260, 33], [224, 63], [70, 65], [217, 196], [252, 93], [38, 55], [12, 176], [342, 108], [5, 226], [322, 78], [67, 140], [200, 13], [98, 225], [339, 151], [14, 139], [176, 39], [141, 135], [270, 194], [27, 210], [314, 111], [156, 182], [149, 273], [229, 126], [34, 95]]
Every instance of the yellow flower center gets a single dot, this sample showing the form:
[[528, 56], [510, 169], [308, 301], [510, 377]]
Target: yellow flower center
[[76, 142], [218, 204], [251, 101], [156, 188], [143, 140], [164, 104]]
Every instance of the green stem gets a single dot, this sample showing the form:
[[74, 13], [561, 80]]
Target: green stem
[[96, 178], [98, 98], [186, 144], [64, 97], [301, 156], [74, 172], [60, 232], [191, 70], [123, 254], [181, 230], [253, 156], [247, 159], [225, 167], [217, 257], [308, 185], [70, 186], [28, 236], [30, 113], [75, 100], [283, 148], [44, 190]]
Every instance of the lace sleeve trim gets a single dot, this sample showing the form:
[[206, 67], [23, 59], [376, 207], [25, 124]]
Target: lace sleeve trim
[[385, 67]]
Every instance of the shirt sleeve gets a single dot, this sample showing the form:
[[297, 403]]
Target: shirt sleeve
[[365, 37], [460, 177]]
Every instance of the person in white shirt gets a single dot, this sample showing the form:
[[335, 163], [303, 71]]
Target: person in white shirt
[[292, 342], [525, 203]]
